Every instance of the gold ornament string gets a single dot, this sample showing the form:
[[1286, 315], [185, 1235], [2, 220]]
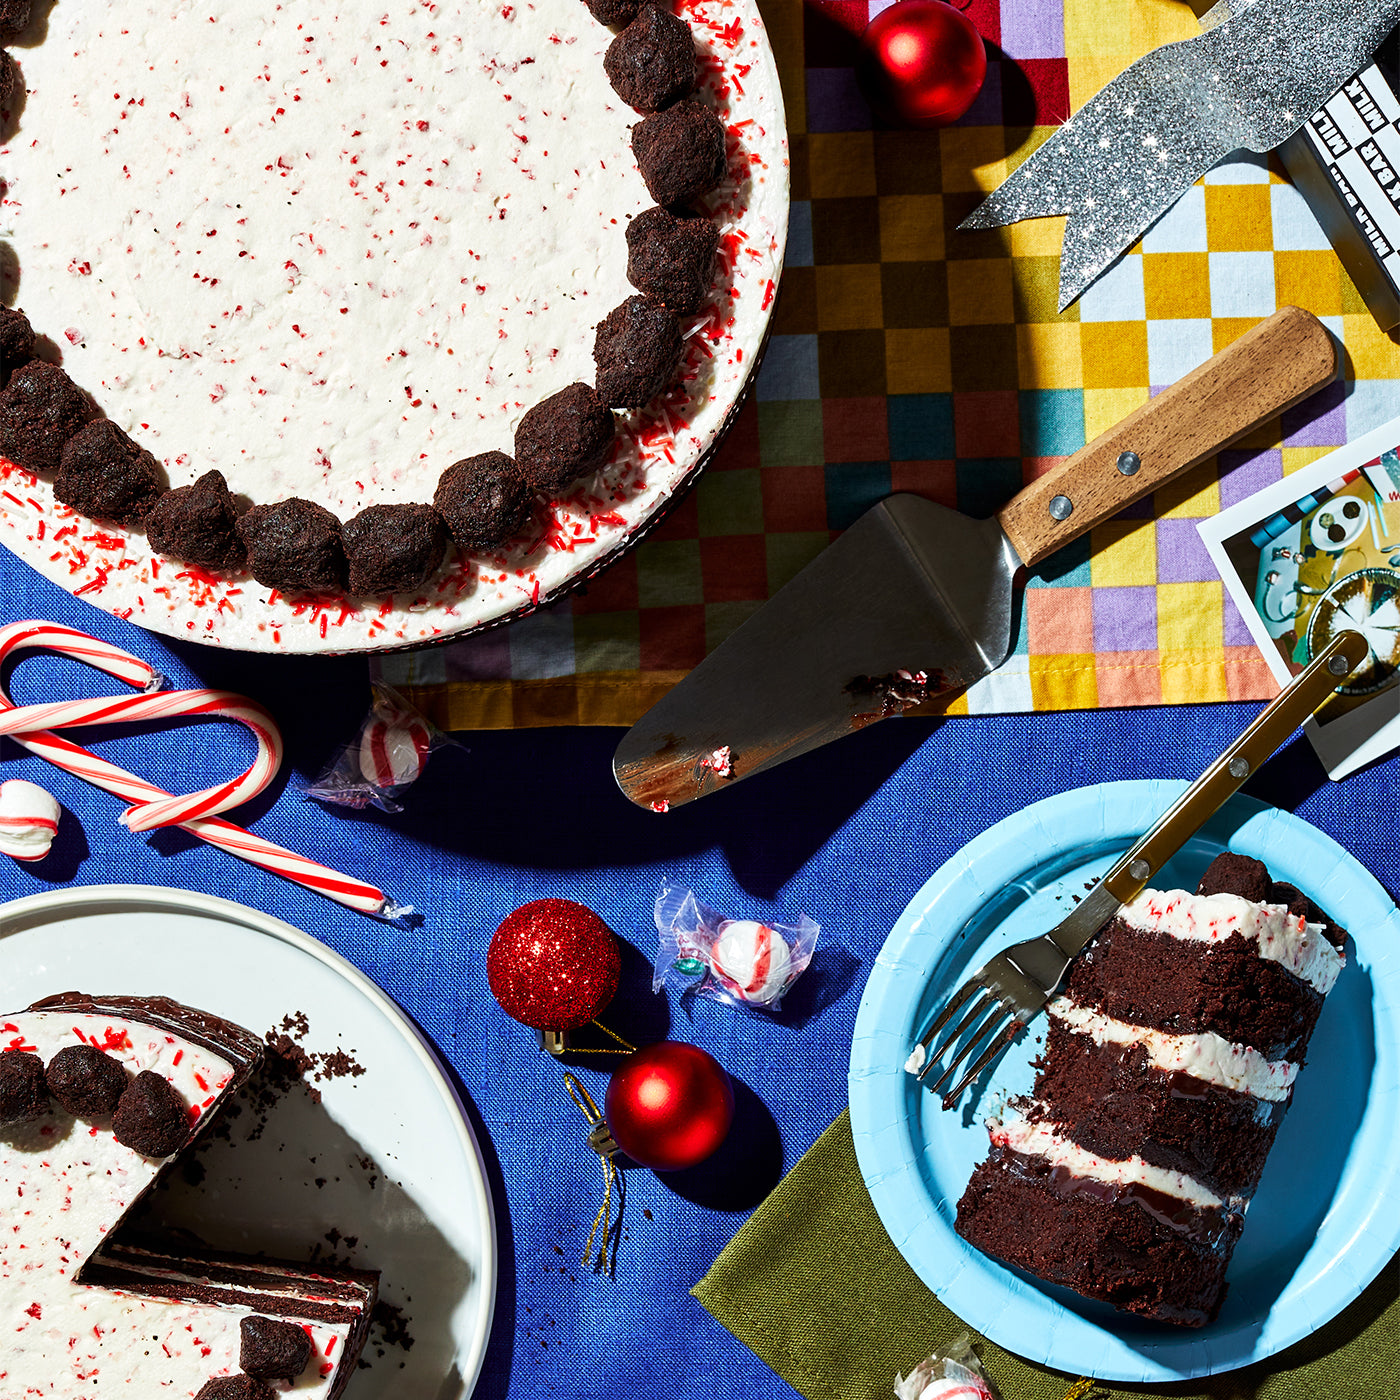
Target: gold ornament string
[[600, 1139], [627, 1047], [1080, 1389]]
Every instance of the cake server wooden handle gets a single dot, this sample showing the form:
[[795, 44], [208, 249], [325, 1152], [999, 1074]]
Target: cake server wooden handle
[[1235, 766], [1277, 364]]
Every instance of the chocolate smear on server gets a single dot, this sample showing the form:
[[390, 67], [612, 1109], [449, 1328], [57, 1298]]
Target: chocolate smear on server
[[235, 1388], [294, 547], [24, 1095], [151, 1117], [484, 500], [40, 409], [894, 692], [636, 351], [564, 437], [680, 152], [671, 257], [273, 1349], [652, 63], [86, 1082], [198, 524], [392, 548], [104, 475]]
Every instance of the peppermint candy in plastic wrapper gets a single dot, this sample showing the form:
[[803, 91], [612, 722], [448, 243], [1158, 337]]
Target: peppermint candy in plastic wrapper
[[383, 760], [743, 961], [955, 1375]]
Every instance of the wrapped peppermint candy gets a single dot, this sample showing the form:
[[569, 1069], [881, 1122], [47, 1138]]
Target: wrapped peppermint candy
[[956, 1375], [742, 961], [383, 760]]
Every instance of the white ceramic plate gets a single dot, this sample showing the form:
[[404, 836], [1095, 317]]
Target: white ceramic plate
[[387, 1158]]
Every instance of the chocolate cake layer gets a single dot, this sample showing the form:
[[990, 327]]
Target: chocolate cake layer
[[1112, 1101], [1184, 986], [1164, 1261]]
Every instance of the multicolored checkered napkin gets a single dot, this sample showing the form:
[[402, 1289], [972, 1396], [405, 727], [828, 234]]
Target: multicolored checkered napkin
[[906, 356]]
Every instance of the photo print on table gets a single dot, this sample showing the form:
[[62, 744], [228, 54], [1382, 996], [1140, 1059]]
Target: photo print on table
[[1316, 554]]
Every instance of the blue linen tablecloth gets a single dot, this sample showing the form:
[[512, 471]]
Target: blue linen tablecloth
[[846, 835]]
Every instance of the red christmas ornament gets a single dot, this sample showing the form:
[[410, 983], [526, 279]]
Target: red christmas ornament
[[922, 63], [669, 1106], [553, 964]]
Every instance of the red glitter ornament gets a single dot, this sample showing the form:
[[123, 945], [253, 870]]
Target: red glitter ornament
[[553, 964], [669, 1106], [921, 63]]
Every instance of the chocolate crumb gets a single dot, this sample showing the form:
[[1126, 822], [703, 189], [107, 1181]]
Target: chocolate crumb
[[105, 475], [86, 1082], [671, 257], [235, 1388], [610, 12], [151, 1117], [16, 336], [1233, 873], [198, 524], [636, 349], [23, 1094], [294, 546], [392, 548], [564, 437], [652, 64], [392, 1325], [271, 1349], [484, 500], [40, 409], [680, 152]]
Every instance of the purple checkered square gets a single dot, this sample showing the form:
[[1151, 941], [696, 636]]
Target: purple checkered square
[[1320, 421], [1244, 473], [1236, 633], [834, 101], [1125, 619], [1181, 554]]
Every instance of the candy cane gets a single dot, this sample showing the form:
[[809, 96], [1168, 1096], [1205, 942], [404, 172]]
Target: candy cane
[[121, 665]]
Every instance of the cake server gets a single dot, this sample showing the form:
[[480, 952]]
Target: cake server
[[1019, 981], [915, 599]]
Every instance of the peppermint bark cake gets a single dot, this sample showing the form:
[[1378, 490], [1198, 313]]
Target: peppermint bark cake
[[361, 261], [1170, 1057], [99, 1097]]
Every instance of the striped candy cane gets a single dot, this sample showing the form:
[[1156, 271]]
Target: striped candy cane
[[193, 813]]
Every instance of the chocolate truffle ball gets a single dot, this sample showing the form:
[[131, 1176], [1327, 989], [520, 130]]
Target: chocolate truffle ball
[[636, 349], [671, 257], [614, 12], [40, 409], [14, 16], [271, 1349], [651, 64], [86, 1082], [235, 1388], [9, 80], [23, 1093], [1232, 873], [16, 340], [564, 437], [151, 1117], [484, 500], [104, 474], [199, 525], [294, 547], [680, 152], [393, 549]]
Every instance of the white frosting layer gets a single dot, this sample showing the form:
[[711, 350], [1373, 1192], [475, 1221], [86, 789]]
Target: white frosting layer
[[1282, 937], [65, 1183], [1207, 1056], [1018, 1133], [331, 250], [28, 819]]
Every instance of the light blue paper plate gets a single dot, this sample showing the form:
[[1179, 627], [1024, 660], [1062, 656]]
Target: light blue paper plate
[[1326, 1218]]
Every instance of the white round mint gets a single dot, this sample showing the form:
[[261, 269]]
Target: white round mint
[[393, 754], [28, 820], [751, 960]]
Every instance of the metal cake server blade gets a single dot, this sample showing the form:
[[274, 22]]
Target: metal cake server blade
[[915, 599]]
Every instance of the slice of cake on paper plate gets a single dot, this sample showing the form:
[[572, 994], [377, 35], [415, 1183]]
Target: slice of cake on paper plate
[[99, 1098], [1169, 1061]]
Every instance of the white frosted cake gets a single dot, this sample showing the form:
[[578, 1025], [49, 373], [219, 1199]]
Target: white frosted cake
[[84, 1317], [331, 251]]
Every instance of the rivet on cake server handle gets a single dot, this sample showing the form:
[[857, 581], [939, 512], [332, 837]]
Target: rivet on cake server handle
[[1018, 982], [1120, 162], [915, 600]]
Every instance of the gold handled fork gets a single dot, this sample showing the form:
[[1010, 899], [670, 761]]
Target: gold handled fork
[[1019, 981]]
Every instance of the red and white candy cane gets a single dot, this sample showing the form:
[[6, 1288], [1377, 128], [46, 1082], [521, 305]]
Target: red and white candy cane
[[191, 813]]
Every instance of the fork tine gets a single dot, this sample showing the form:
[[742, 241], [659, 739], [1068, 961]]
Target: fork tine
[[953, 1035], [958, 998], [991, 1026], [1000, 1041]]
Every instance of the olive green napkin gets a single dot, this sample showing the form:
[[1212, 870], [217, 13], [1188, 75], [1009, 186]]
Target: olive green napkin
[[814, 1286]]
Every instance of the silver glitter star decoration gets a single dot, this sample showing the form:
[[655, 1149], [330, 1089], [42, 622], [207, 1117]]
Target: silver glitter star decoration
[[1136, 147]]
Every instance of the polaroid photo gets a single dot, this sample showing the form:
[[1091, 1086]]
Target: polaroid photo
[[1316, 554]]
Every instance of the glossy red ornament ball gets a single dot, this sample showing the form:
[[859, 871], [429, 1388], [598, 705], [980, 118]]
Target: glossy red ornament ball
[[922, 63], [553, 964], [669, 1106]]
